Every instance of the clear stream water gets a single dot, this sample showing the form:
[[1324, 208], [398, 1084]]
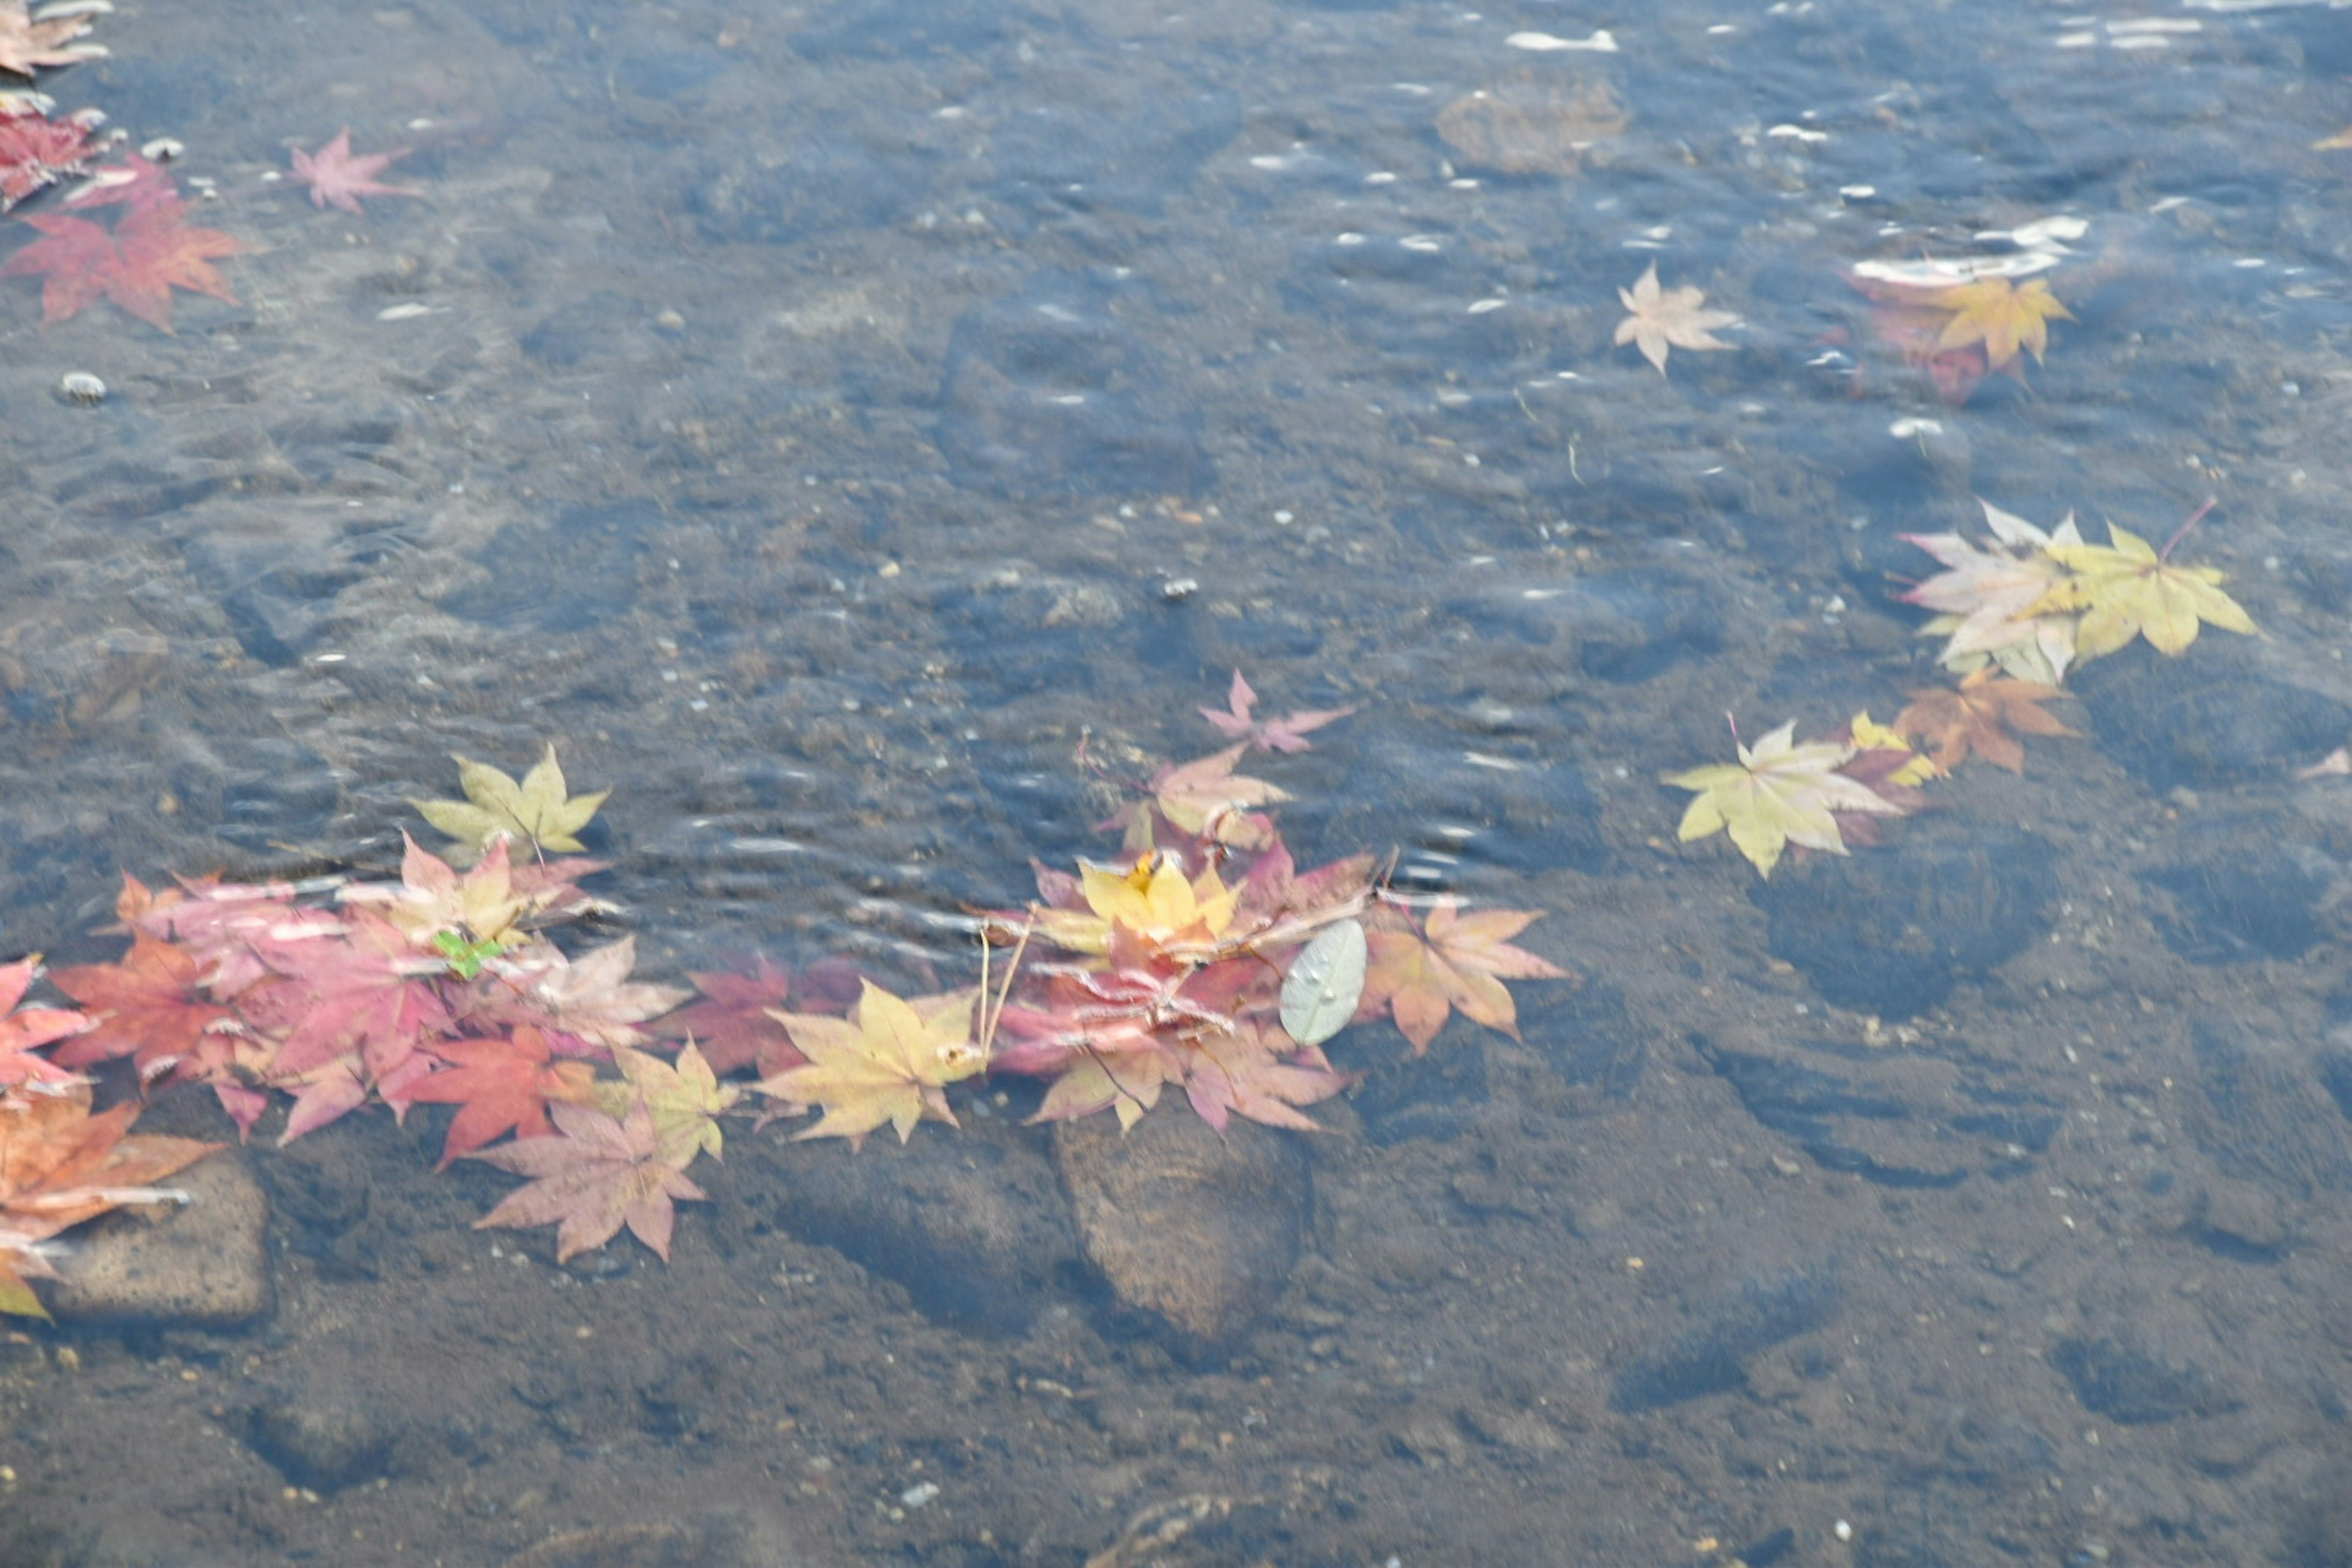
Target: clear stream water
[[819, 420]]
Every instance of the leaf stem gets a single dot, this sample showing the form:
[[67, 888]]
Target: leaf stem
[[2183, 531]]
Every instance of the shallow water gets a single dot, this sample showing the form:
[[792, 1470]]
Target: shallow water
[[820, 421]]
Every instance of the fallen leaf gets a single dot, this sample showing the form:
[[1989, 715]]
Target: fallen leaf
[[1987, 602], [60, 1165], [148, 1006], [366, 989], [1287, 733], [2126, 589], [1662, 319], [1453, 961], [432, 899], [591, 998], [595, 1176], [26, 1030], [1152, 900], [1776, 794], [336, 178], [501, 1085], [1326, 982], [733, 1022], [37, 150], [2337, 763], [685, 1099], [2002, 316], [29, 38], [1258, 1074], [1206, 798], [889, 1061], [538, 808], [1985, 715], [137, 264]]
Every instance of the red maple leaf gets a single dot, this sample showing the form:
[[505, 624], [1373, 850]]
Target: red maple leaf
[[149, 1006], [501, 1085], [338, 179], [732, 1022], [150, 252], [35, 150], [368, 990]]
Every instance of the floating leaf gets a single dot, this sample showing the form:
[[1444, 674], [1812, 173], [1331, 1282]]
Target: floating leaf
[[1777, 794], [1326, 982], [2126, 589], [538, 808]]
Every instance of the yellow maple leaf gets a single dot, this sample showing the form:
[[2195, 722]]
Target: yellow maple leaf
[[1776, 794], [889, 1061], [685, 1099], [537, 808], [1870, 735], [2126, 589], [2001, 316], [1151, 899]]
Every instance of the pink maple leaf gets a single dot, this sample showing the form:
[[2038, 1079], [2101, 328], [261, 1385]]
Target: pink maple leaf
[[336, 178], [1287, 733]]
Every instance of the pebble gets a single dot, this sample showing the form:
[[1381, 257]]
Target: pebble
[[204, 1264], [81, 388]]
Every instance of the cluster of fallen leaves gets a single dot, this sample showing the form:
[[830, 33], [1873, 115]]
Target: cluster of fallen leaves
[[151, 248], [1200, 959], [2016, 613]]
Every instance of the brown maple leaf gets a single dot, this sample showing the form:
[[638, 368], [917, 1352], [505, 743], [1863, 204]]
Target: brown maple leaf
[[1453, 960], [336, 178], [1985, 715], [60, 1165], [598, 1175], [137, 264], [29, 38]]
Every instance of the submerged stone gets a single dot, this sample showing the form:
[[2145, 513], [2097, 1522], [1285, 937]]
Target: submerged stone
[[204, 1264], [1891, 930], [1193, 1228]]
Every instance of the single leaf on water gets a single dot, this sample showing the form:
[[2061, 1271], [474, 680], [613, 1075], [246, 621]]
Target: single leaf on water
[[1325, 984], [538, 808], [1287, 733], [1659, 321], [596, 1176], [1777, 794], [338, 178], [2124, 589], [1985, 715], [2002, 316]]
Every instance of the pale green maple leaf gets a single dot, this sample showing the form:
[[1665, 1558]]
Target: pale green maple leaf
[[1776, 794], [538, 808]]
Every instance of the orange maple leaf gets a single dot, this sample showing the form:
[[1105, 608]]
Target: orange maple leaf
[[60, 1165], [1985, 715], [1454, 960]]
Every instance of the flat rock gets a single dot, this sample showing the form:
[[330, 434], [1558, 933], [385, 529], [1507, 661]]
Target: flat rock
[[204, 1264], [971, 1227], [1194, 1229]]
